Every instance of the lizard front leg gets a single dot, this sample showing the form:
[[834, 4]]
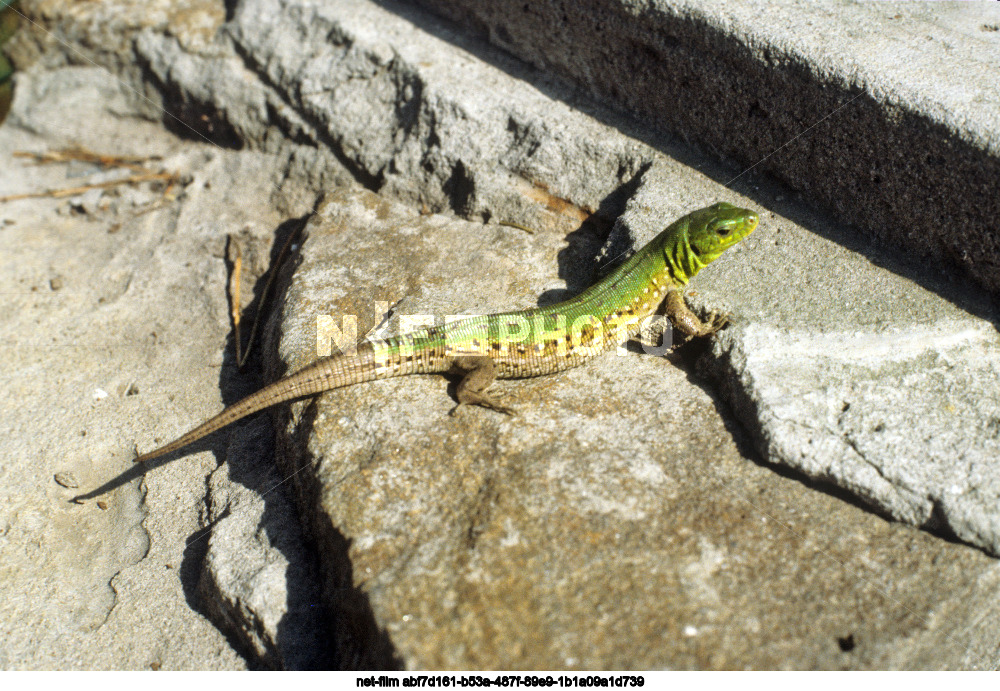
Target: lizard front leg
[[687, 321], [479, 372]]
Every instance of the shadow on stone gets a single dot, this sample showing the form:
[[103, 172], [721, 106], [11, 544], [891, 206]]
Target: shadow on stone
[[358, 642], [927, 203]]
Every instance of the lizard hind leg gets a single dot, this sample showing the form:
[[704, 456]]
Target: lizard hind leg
[[479, 372]]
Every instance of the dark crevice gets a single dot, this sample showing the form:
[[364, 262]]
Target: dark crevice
[[188, 119], [358, 642]]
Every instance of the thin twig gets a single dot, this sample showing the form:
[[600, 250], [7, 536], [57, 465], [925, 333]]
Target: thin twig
[[70, 191], [511, 224], [235, 291], [87, 156]]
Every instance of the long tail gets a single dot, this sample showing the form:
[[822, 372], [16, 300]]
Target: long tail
[[248, 406], [324, 375]]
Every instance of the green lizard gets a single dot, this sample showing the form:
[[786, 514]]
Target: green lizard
[[527, 343]]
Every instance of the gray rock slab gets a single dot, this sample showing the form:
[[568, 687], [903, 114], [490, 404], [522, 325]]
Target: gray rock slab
[[612, 523], [259, 580], [859, 104], [426, 121], [907, 419], [83, 583], [113, 338], [386, 97], [384, 91], [850, 372]]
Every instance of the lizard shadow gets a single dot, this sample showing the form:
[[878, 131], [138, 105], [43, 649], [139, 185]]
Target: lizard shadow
[[213, 442], [578, 262]]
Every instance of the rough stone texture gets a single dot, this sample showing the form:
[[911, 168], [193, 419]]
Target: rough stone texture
[[386, 98], [892, 396], [259, 581], [612, 523], [855, 103], [617, 522], [113, 338], [357, 79], [906, 419]]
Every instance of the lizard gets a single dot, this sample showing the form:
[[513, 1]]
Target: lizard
[[526, 343]]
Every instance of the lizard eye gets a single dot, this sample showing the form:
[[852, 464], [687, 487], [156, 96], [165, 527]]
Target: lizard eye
[[723, 231]]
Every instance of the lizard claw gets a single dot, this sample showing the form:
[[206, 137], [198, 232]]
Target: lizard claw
[[716, 321]]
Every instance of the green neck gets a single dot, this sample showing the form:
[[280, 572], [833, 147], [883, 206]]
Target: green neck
[[682, 262]]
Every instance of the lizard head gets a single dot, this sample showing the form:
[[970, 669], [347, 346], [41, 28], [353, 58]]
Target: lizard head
[[699, 238]]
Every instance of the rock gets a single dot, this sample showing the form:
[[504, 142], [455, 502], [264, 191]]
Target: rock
[[908, 420], [128, 349], [427, 122], [625, 518], [259, 580], [612, 523]]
